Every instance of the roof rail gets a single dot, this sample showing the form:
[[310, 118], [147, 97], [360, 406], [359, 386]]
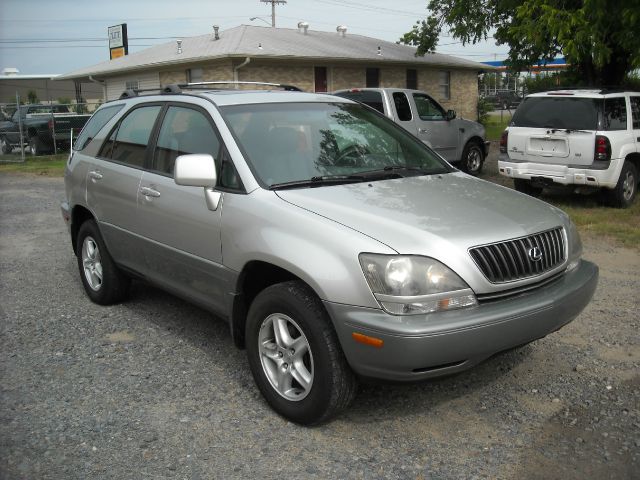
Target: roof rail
[[289, 88], [602, 89]]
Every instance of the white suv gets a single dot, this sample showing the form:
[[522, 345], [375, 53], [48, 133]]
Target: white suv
[[575, 137]]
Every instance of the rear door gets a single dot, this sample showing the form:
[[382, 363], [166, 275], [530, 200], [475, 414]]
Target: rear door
[[113, 180], [182, 237], [434, 129], [555, 130]]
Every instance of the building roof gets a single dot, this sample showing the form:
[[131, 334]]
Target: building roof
[[272, 43]]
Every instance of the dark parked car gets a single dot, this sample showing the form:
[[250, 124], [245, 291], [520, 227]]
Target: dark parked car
[[505, 100]]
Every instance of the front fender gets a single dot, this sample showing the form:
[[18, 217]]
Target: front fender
[[323, 253]]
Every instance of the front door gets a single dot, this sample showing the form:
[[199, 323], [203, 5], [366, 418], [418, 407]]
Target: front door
[[433, 127], [182, 235], [320, 75]]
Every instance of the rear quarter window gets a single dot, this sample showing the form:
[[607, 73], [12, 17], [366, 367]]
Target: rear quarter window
[[615, 114], [95, 124]]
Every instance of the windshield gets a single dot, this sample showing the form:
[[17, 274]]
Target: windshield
[[290, 142], [557, 112]]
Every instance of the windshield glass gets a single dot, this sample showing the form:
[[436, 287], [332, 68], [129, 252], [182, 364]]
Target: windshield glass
[[289, 142], [557, 112]]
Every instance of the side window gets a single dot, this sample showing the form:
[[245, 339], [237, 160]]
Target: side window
[[183, 131], [95, 124], [635, 112], [427, 108], [402, 106], [128, 142], [615, 114]]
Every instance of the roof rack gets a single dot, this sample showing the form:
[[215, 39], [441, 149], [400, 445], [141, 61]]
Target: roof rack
[[288, 88], [175, 89], [600, 89], [168, 90]]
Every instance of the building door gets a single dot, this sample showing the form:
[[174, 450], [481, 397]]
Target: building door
[[320, 75]]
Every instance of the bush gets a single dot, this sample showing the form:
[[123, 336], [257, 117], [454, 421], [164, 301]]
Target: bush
[[484, 107]]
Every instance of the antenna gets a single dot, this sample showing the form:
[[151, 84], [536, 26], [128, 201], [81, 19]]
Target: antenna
[[273, 9]]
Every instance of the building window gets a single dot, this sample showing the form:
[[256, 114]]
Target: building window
[[444, 85], [132, 85], [412, 78], [194, 75], [373, 77], [320, 79]]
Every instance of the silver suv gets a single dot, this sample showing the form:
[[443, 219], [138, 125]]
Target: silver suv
[[333, 242]]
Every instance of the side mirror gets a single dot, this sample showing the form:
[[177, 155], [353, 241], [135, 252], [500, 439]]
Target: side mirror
[[195, 170], [451, 114], [198, 170]]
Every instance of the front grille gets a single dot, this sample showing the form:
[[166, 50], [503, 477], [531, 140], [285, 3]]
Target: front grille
[[511, 260]]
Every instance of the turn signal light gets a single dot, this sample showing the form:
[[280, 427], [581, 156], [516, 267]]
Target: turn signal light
[[367, 340], [603, 148]]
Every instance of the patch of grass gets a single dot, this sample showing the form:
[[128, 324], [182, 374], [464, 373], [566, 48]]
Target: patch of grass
[[50, 165], [495, 125], [621, 225]]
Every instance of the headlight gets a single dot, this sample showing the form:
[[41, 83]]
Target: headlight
[[409, 285]]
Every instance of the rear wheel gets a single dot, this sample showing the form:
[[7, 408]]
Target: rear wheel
[[5, 146], [295, 356], [472, 158], [35, 146], [625, 191], [525, 186], [104, 283]]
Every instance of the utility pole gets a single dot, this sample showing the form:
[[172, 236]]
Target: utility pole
[[273, 9]]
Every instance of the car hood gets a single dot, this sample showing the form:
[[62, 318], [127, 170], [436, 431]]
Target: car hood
[[430, 215]]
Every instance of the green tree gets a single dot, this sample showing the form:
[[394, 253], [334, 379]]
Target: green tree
[[32, 96], [597, 37]]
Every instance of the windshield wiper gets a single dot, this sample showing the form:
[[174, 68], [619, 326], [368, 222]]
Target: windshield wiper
[[318, 181]]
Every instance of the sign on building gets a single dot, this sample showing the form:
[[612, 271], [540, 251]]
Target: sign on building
[[118, 41]]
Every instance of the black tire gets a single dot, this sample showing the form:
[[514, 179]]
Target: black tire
[[36, 147], [525, 186], [5, 146], [104, 283], [472, 158], [332, 384], [625, 191]]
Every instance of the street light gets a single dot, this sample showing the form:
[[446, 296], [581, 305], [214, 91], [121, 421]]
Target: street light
[[260, 18]]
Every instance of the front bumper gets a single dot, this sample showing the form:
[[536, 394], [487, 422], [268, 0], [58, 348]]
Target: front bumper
[[422, 346]]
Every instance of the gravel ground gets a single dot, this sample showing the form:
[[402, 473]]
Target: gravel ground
[[154, 388]]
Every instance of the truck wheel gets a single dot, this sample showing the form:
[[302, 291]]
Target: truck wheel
[[5, 146], [472, 158], [625, 191], [35, 146], [104, 283], [525, 186], [295, 356]]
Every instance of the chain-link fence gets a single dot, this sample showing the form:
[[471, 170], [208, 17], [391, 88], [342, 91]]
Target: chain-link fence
[[32, 130]]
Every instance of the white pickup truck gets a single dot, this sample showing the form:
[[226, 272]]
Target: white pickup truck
[[457, 140], [575, 137]]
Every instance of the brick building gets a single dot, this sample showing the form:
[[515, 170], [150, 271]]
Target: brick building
[[312, 60]]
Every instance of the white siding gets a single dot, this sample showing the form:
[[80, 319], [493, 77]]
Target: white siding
[[116, 85]]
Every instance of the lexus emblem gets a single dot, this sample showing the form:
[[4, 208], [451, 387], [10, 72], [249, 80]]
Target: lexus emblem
[[535, 254]]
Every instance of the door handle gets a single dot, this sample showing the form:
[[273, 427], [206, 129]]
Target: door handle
[[422, 130], [95, 175], [149, 192]]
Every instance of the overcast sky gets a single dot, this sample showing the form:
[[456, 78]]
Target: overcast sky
[[58, 36]]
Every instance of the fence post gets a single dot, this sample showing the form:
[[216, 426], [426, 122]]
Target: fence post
[[21, 139], [53, 129]]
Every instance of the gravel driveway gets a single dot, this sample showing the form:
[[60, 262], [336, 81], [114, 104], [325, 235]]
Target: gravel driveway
[[154, 388]]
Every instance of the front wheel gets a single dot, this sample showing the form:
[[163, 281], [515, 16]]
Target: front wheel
[[625, 191], [104, 283], [36, 147], [295, 356], [472, 158]]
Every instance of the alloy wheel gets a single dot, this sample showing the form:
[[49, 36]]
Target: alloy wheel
[[92, 263]]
